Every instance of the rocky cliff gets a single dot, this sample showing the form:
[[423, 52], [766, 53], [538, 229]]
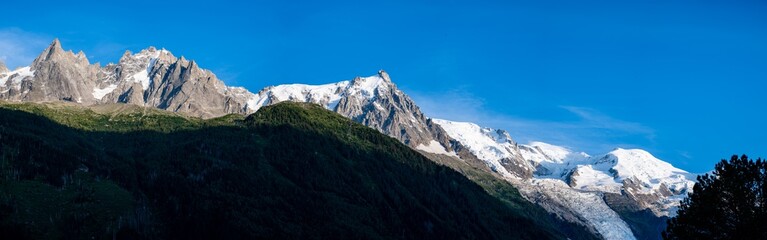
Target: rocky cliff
[[151, 77]]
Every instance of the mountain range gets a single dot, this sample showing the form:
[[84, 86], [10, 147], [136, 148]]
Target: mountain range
[[622, 194]]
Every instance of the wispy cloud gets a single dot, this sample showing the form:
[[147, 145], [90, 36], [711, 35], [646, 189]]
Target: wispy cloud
[[18, 48], [591, 130], [594, 119]]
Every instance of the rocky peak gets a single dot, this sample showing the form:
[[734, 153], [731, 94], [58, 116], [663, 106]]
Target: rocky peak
[[384, 75], [81, 58], [150, 77], [127, 54], [367, 88], [55, 75], [373, 101], [166, 56], [149, 54], [54, 52]]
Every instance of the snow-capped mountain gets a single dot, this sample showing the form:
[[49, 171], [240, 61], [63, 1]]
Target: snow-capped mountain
[[494, 147], [373, 101], [595, 191], [563, 181], [637, 174]]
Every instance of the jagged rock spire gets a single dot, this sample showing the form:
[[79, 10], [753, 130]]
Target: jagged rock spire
[[56, 75], [53, 50], [56, 53], [384, 75], [126, 55]]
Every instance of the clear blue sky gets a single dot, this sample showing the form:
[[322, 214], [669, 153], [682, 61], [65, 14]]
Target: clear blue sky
[[685, 80]]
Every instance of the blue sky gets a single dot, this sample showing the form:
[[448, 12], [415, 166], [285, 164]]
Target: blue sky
[[682, 79]]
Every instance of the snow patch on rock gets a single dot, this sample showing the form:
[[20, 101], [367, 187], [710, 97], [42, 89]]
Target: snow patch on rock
[[99, 93], [16, 76], [436, 148]]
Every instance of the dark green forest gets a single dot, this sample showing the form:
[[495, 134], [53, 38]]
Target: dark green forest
[[288, 171]]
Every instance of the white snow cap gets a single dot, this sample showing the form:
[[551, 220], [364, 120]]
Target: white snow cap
[[640, 164], [327, 95], [489, 145], [602, 173]]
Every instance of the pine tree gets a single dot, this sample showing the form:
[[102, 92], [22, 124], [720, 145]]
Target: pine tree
[[729, 203]]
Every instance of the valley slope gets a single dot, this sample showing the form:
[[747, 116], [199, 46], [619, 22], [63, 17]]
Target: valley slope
[[289, 171]]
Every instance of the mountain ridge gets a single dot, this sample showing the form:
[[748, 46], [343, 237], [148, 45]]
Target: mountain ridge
[[150, 77], [156, 78]]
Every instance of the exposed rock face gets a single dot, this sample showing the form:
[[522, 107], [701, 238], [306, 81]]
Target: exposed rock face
[[151, 77], [157, 78], [373, 101], [55, 75], [643, 222], [393, 113]]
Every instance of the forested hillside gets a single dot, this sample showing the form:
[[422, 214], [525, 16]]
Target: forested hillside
[[287, 171]]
